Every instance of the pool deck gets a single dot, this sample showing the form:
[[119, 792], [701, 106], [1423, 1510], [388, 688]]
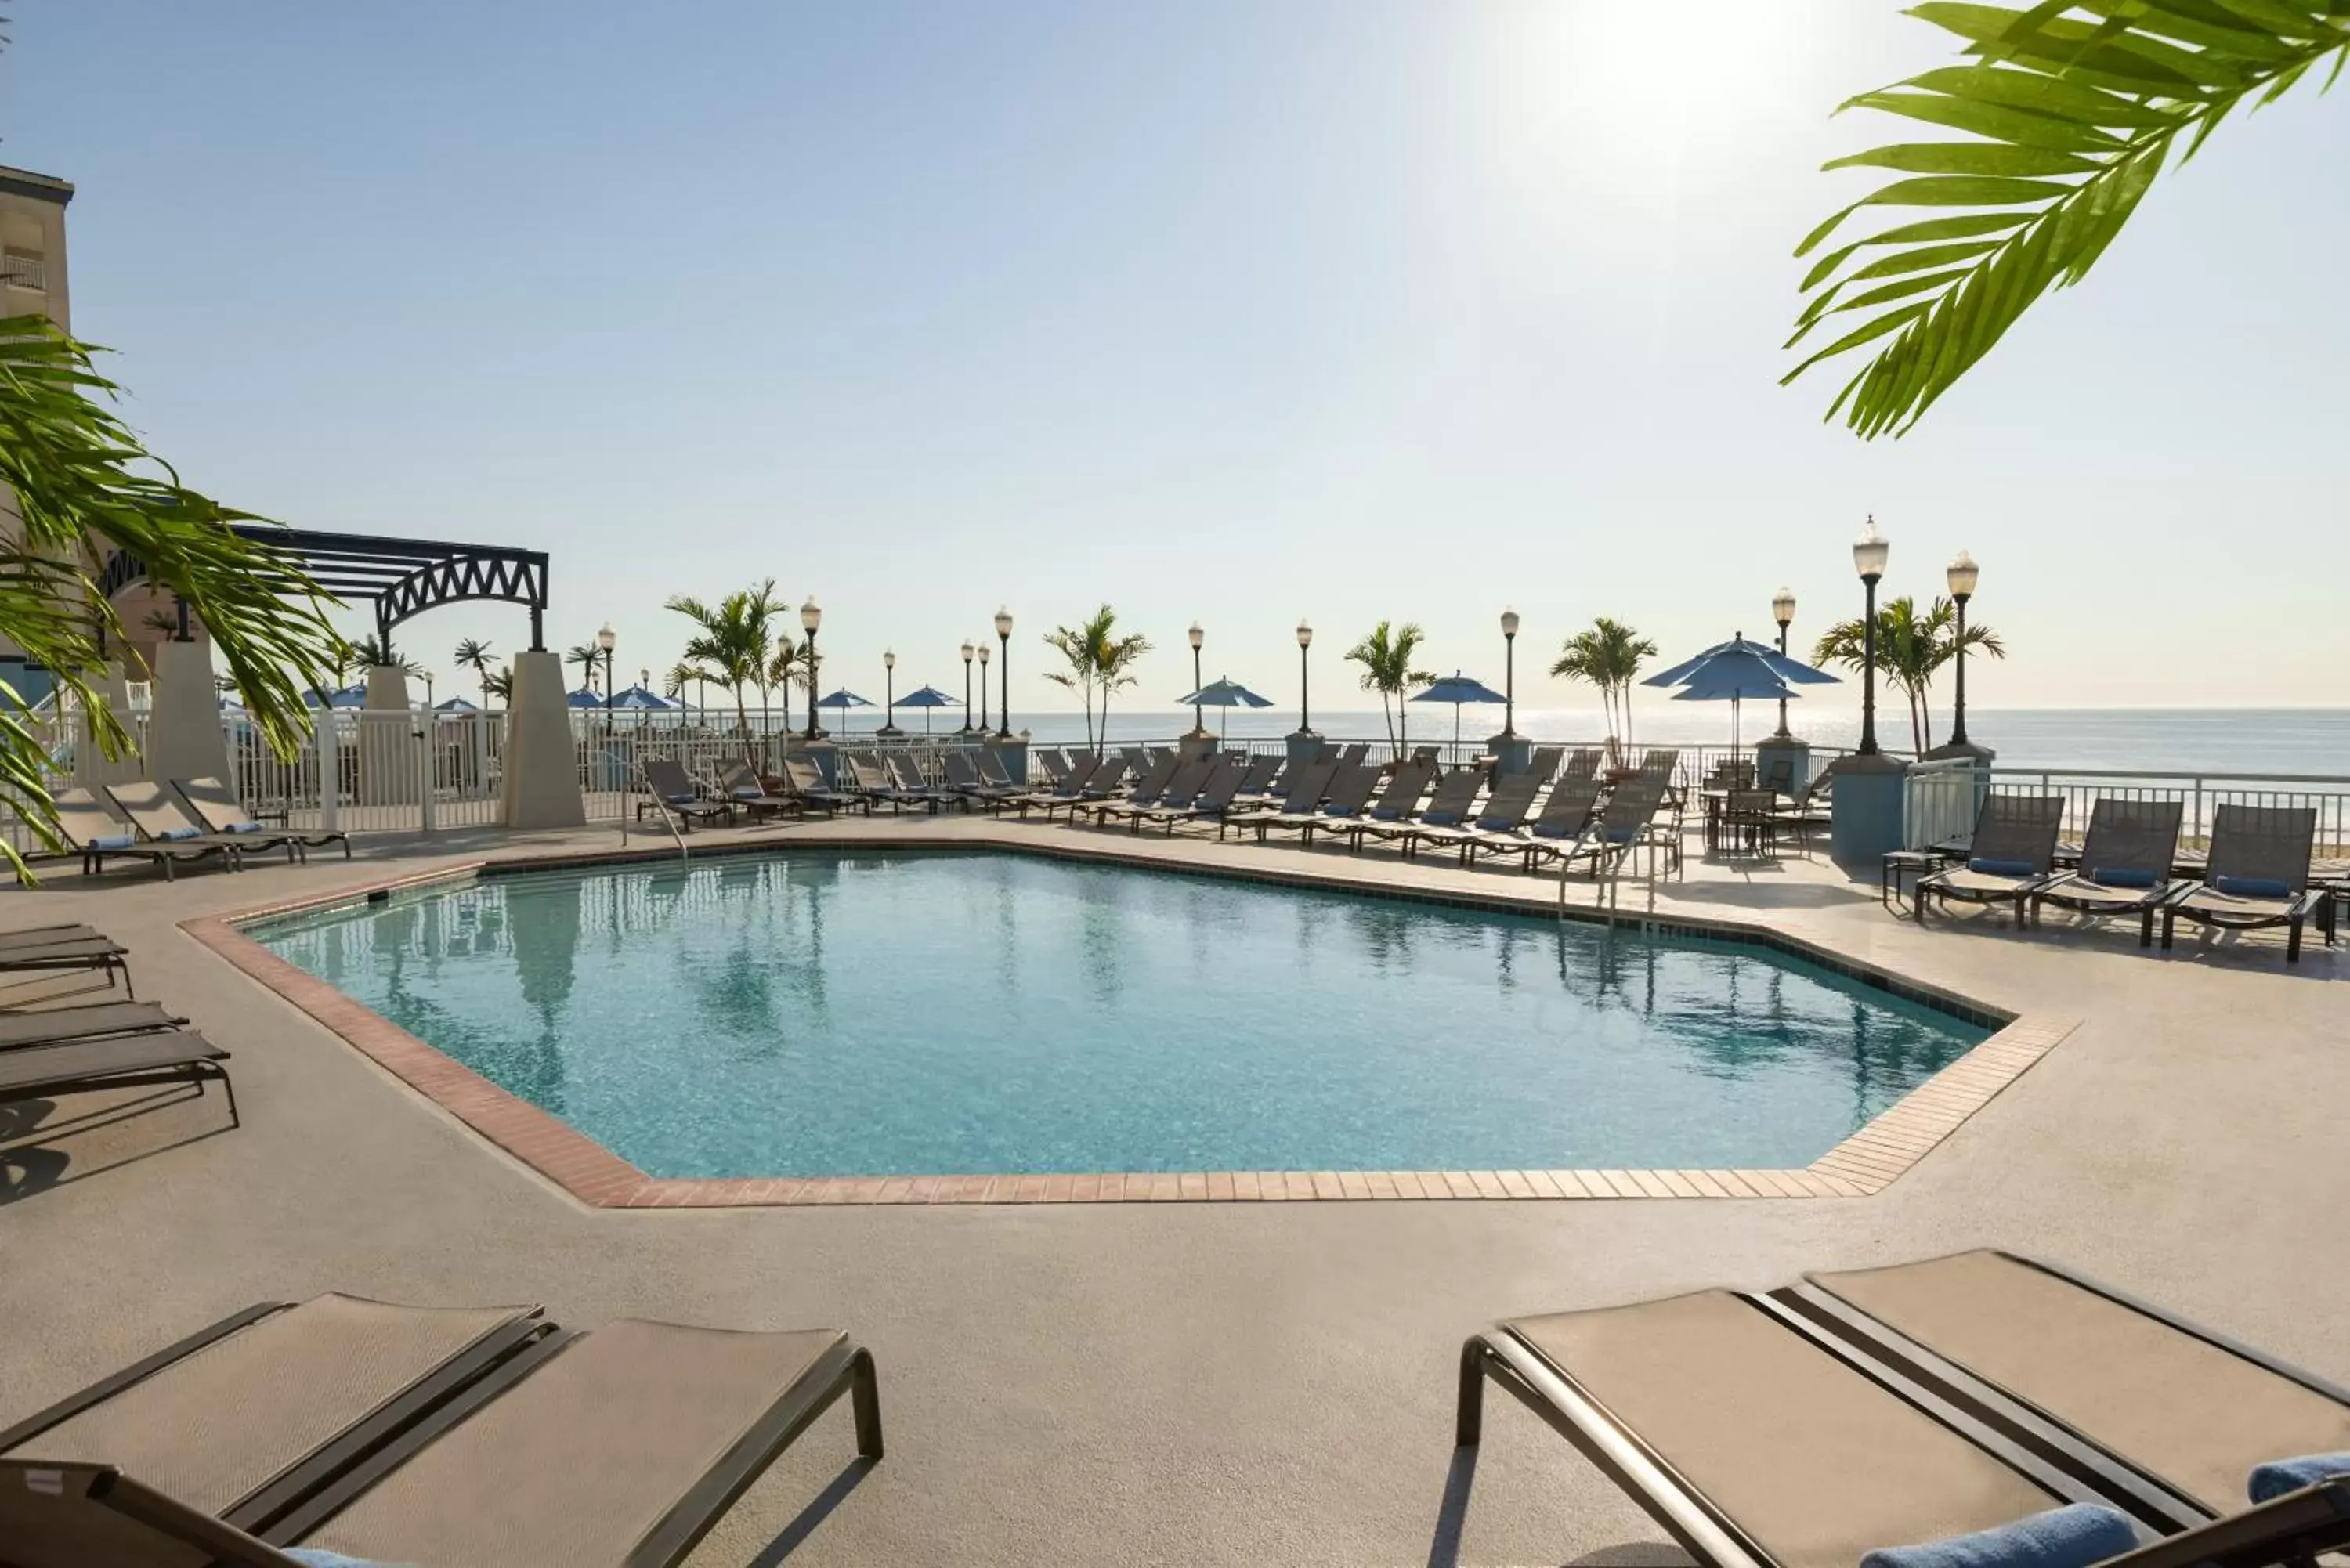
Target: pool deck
[[1179, 1382]]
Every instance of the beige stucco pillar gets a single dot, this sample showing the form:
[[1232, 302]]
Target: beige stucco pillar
[[93, 769], [183, 729], [541, 784], [391, 768]]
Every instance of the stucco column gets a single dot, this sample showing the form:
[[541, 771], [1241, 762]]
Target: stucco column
[[389, 769], [540, 787], [93, 769], [183, 730]]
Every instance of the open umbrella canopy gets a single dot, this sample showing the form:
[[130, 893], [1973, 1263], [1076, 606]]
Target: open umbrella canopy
[[583, 698], [1793, 670], [1732, 675], [349, 696], [456, 705], [929, 697], [844, 697], [1457, 689], [1224, 692], [638, 697]]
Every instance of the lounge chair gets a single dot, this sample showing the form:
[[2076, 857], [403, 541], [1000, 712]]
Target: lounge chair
[[218, 809], [86, 824], [1545, 763], [458, 1438], [1176, 789], [1308, 782], [60, 947], [54, 1025], [1582, 763], [1565, 815], [666, 782], [2012, 852], [1145, 791], [2257, 877], [2125, 866], [1349, 793], [739, 785], [1624, 823], [1258, 780], [963, 778], [992, 771], [906, 775], [1787, 1432], [869, 777], [807, 787], [1054, 764], [1211, 803], [1355, 755], [1396, 804], [114, 1062], [1504, 813], [1067, 790], [157, 817], [1455, 797]]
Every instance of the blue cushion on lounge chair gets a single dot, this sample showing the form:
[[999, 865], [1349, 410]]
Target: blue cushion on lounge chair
[[319, 1557], [242, 827], [2070, 1537], [1440, 818], [2254, 887], [114, 841], [678, 799], [2278, 1477], [2121, 877], [174, 834], [1990, 868]]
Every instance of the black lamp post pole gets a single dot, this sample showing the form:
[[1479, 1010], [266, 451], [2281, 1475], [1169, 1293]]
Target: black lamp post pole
[[1868, 670], [1959, 709], [966, 689], [1004, 693], [813, 733], [1508, 683], [982, 700], [1783, 702], [1198, 724], [1305, 688]]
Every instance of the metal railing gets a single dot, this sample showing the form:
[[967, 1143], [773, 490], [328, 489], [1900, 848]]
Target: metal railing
[[1939, 800], [2199, 795]]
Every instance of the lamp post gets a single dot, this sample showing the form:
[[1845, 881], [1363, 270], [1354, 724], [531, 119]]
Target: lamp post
[[1782, 610], [1962, 576], [811, 617], [1199, 724], [1305, 676], [428, 690], [967, 651], [605, 640], [1868, 553], [1509, 674], [889, 691], [985, 655], [1004, 674]]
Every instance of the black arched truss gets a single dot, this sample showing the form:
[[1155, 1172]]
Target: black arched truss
[[402, 577]]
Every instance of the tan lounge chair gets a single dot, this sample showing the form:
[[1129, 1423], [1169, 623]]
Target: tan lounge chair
[[157, 817], [217, 807]]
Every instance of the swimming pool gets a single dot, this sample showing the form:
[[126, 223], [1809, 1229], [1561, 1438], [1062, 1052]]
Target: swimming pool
[[861, 1014]]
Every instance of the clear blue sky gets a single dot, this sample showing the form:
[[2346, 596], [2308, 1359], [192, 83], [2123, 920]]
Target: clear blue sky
[[1225, 309]]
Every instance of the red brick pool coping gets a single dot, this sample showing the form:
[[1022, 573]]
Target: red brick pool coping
[[1862, 1165]]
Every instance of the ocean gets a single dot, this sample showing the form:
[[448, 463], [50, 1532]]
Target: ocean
[[2269, 742]]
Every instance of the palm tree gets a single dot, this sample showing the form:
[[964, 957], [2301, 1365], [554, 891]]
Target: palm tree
[[498, 683], [587, 656], [84, 486], [1912, 648], [372, 653], [1609, 656], [1099, 663], [1386, 657], [732, 646], [475, 655], [2068, 120]]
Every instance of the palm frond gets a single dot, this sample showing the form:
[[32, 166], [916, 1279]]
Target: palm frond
[[2070, 108]]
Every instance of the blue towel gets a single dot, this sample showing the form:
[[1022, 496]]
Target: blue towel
[[2120, 876], [678, 799], [2254, 887], [174, 834], [2278, 1477], [1990, 868], [114, 841], [319, 1557], [1440, 818], [2071, 1537], [243, 828]]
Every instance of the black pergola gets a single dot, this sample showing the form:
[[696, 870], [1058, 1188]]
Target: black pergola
[[402, 577]]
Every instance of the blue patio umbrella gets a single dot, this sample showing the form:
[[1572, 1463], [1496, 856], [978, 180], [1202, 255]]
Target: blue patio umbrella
[[1792, 670], [583, 698], [349, 696], [1458, 688], [1226, 693], [1731, 676], [638, 697], [928, 697], [456, 705], [844, 700]]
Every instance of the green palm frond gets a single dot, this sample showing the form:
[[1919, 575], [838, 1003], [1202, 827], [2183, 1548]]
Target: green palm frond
[[2069, 108]]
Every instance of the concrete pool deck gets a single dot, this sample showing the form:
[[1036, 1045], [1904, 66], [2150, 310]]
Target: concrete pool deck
[[1179, 1382]]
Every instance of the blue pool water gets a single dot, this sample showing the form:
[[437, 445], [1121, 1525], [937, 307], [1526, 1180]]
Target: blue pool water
[[813, 1014]]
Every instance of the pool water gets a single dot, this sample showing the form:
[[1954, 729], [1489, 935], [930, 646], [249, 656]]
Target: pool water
[[813, 1014]]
